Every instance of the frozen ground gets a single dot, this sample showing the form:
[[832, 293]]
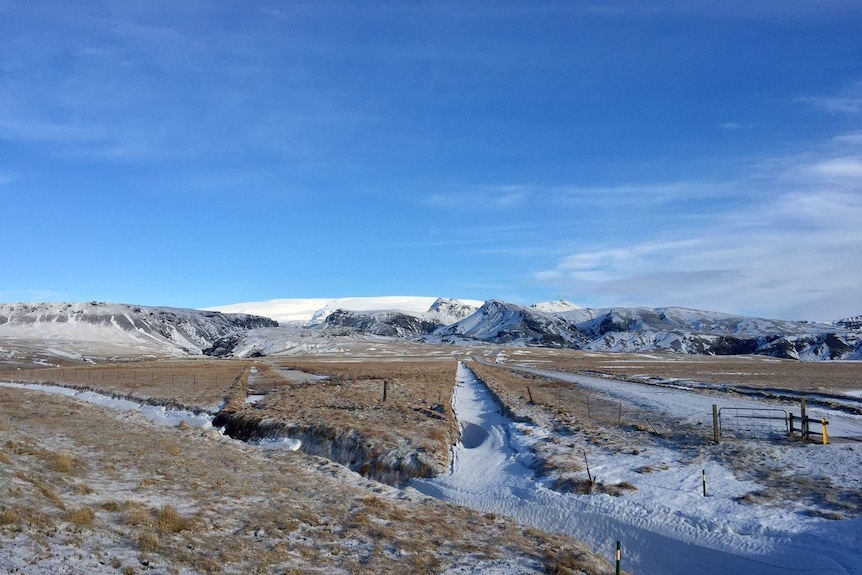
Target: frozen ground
[[156, 413], [86, 489], [665, 525]]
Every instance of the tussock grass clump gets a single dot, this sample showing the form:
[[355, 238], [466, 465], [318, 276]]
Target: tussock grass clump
[[83, 489], [137, 515], [169, 520], [4, 459], [61, 462], [644, 469], [165, 519], [147, 541], [8, 516], [112, 506], [80, 517], [587, 487], [830, 515], [567, 561]]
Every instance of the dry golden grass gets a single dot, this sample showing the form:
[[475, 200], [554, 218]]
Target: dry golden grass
[[83, 489], [81, 517], [196, 383], [232, 507], [147, 541], [755, 371], [61, 462], [588, 487], [8, 516], [567, 561], [346, 404], [169, 520]]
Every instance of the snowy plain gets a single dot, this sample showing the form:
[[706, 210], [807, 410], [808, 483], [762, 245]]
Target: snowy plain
[[665, 526]]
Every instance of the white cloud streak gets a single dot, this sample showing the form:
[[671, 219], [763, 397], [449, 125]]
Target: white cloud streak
[[792, 252], [846, 102], [488, 197]]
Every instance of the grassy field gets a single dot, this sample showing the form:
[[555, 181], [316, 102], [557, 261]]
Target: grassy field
[[90, 490], [751, 370], [84, 490]]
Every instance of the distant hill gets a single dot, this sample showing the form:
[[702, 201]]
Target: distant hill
[[104, 330], [314, 311], [673, 329], [76, 330]]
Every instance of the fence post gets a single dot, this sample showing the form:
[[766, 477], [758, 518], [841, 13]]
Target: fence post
[[715, 431], [619, 558], [790, 425], [825, 424], [385, 389], [803, 421]]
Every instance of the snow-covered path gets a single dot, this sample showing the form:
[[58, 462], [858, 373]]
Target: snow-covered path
[[665, 527]]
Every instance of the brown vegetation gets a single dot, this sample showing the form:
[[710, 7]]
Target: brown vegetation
[[748, 370], [174, 498], [344, 402], [201, 383]]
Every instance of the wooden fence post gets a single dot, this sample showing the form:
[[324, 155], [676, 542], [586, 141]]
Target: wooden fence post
[[803, 421], [716, 434]]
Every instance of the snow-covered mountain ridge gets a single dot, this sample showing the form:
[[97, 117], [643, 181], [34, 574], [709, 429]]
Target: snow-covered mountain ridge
[[314, 311], [80, 329], [118, 330], [565, 325], [673, 329]]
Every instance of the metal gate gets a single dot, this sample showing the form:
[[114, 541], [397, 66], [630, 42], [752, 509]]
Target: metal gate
[[752, 422]]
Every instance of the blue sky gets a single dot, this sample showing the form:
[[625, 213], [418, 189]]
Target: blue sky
[[701, 154]]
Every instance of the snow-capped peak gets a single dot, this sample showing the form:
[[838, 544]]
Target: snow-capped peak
[[315, 311], [555, 306], [448, 311]]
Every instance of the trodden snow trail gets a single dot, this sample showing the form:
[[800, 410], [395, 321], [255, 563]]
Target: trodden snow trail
[[664, 529]]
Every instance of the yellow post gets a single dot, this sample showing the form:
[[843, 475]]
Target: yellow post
[[825, 424]]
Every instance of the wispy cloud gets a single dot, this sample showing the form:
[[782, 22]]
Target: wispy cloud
[[847, 101], [793, 251], [505, 197], [849, 167]]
